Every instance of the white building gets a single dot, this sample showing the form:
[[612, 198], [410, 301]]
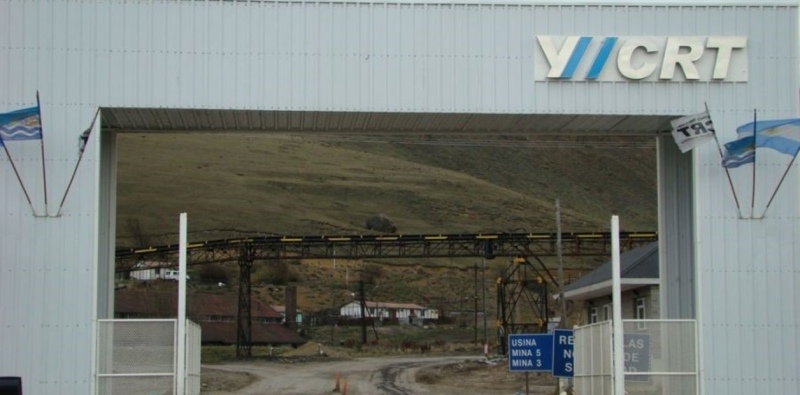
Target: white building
[[388, 310], [466, 67], [150, 270]]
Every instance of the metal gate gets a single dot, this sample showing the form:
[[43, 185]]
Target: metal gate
[[193, 338], [593, 359]]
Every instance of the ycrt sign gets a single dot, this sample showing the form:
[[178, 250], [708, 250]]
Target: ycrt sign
[[634, 58], [563, 346], [530, 353]]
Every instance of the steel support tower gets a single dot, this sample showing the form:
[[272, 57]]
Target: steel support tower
[[522, 306]]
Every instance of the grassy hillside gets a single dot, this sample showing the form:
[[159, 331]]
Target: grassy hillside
[[232, 185]]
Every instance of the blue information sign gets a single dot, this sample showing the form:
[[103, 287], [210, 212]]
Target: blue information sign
[[563, 345], [637, 355], [530, 353]]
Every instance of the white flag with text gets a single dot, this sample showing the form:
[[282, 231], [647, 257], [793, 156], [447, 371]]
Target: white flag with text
[[692, 130]]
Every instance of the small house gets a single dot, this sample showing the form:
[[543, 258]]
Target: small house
[[639, 276], [149, 270], [388, 310]]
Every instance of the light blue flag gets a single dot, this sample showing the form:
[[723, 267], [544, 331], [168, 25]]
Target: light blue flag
[[22, 124], [782, 135], [739, 152]]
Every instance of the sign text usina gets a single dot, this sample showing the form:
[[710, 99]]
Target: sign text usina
[[672, 58]]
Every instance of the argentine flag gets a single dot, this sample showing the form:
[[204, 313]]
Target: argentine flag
[[739, 152], [21, 125], [782, 135]]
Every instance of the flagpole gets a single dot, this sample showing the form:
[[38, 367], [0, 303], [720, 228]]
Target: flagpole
[[779, 184], [41, 140], [727, 171], [13, 166], [75, 170], [755, 146]]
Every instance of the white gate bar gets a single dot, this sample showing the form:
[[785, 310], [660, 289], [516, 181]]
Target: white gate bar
[[617, 330], [180, 371]]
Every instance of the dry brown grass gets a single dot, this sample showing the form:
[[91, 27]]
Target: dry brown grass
[[237, 184], [249, 183]]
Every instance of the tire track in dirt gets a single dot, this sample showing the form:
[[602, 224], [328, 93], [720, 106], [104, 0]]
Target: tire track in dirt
[[390, 374]]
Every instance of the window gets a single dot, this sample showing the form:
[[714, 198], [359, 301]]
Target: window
[[592, 315], [639, 312], [607, 312]]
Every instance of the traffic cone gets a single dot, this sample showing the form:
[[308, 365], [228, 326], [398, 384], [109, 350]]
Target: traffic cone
[[336, 385], [344, 387]]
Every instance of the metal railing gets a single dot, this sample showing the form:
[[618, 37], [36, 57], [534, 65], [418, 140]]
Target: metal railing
[[660, 358]]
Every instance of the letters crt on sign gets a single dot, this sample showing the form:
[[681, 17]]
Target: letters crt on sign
[[638, 58]]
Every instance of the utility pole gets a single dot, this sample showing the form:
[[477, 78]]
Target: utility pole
[[363, 313], [563, 323], [485, 329], [475, 299]]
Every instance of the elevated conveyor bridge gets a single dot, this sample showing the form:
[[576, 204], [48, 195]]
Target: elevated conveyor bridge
[[486, 245], [246, 250]]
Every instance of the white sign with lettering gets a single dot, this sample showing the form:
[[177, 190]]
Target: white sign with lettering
[[673, 58]]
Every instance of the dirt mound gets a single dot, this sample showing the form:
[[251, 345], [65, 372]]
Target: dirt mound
[[221, 380]]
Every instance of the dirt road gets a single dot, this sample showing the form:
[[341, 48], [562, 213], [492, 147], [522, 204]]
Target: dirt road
[[379, 375]]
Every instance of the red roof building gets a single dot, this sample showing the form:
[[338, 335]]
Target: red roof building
[[215, 313]]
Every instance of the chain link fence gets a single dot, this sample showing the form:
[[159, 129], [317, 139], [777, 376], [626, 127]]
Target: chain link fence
[[136, 357], [660, 358]]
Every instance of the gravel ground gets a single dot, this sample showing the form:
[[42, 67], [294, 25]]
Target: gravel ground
[[406, 375]]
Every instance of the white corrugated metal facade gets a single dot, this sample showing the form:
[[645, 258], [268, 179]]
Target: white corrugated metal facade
[[309, 65]]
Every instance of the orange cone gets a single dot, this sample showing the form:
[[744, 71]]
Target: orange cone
[[336, 385]]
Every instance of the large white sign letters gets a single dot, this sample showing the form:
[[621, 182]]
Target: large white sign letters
[[673, 58]]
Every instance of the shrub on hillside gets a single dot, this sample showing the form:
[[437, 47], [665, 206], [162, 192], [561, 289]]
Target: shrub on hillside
[[381, 223], [275, 273], [370, 273]]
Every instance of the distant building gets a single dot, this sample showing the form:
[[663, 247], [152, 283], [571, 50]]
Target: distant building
[[388, 310], [215, 313], [149, 270], [640, 292], [282, 311]]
